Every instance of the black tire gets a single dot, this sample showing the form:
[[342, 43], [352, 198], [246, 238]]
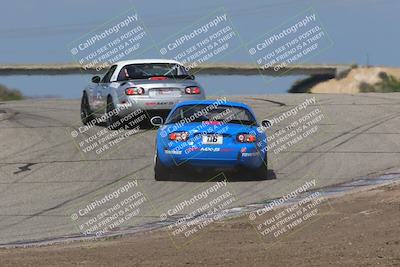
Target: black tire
[[145, 123], [262, 171], [112, 120], [161, 172], [86, 113]]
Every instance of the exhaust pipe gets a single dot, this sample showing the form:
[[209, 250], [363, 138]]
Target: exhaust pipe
[[156, 121]]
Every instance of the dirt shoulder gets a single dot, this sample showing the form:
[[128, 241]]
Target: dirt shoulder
[[360, 229]]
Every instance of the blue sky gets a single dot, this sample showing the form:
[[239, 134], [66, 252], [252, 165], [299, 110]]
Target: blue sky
[[39, 31]]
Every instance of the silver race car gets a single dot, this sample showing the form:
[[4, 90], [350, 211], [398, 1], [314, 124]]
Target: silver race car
[[152, 86]]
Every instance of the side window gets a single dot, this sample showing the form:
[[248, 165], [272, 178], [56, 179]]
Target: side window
[[107, 76]]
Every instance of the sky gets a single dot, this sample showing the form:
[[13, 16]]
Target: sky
[[41, 31]]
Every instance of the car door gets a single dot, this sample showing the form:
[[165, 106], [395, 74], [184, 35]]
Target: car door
[[102, 89]]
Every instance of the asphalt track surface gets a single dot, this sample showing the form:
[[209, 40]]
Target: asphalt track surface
[[44, 176]]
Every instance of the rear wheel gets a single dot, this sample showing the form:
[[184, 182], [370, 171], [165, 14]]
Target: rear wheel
[[262, 171], [145, 123], [112, 118], [161, 172], [86, 113]]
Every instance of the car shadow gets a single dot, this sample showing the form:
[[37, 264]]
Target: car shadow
[[204, 176], [142, 126]]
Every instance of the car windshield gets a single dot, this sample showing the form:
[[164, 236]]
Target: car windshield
[[148, 70], [200, 113]]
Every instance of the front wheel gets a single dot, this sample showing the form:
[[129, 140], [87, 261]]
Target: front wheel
[[86, 113]]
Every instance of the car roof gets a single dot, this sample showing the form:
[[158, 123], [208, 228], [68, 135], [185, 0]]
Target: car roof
[[211, 102], [149, 61]]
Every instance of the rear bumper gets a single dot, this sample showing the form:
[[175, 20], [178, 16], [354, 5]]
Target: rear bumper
[[147, 103], [234, 159]]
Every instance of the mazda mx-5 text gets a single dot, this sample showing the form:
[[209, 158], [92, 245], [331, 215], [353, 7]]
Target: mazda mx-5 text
[[207, 134], [153, 86]]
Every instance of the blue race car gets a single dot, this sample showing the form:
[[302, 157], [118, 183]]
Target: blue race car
[[204, 134]]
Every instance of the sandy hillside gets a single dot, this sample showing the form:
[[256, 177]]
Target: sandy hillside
[[350, 84]]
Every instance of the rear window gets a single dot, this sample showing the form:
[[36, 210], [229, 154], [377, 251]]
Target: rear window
[[145, 71], [200, 113]]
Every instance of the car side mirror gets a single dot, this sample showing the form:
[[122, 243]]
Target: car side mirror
[[156, 121], [96, 79], [266, 123]]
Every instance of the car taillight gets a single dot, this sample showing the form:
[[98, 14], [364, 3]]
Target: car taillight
[[193, 90], [179, 136], [158, 78], [246, 138], [134, 91]]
